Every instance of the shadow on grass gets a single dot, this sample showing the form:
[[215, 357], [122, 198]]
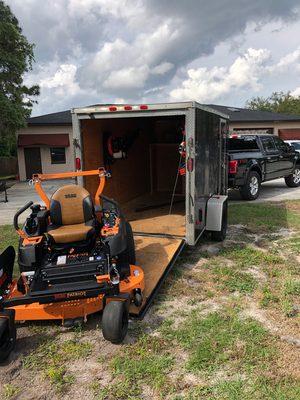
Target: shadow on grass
[[263, 217]]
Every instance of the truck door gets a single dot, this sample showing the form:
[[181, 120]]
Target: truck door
[[272, 160], [286, 159]]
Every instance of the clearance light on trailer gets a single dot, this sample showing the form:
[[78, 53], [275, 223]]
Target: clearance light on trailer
[[127, 108], [234, 136], [77, 163], [143, 107], [233, 166], [190, 164], [112, 108]]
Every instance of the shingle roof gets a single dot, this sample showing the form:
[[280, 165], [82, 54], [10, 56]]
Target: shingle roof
[[236, 114], [58, 118]]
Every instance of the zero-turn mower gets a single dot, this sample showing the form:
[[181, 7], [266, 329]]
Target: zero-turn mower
[[75, 258]]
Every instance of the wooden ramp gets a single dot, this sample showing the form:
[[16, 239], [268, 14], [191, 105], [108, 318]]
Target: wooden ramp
[[156, 255]]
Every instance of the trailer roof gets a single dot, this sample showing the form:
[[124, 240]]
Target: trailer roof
[[128, 108]]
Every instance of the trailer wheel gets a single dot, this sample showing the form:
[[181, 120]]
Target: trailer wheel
[[251, 189], [8, 337], [219, 236], [115, 321], [293, 180]]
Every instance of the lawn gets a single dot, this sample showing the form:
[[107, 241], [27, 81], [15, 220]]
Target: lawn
[[225, 326]]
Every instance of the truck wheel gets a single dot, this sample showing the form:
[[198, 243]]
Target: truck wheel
[[8, 336], [251, 189], [115, 321], [219, 236], [129, 254], [293, 180]]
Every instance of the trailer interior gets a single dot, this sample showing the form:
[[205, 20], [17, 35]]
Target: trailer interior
[[145, 181]]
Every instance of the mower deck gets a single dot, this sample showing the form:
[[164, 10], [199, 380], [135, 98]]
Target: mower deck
[[68, 301]]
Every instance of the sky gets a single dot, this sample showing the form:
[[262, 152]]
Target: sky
[[147, 51]]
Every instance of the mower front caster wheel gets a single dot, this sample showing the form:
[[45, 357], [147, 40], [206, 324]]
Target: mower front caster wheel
[[115, 321]]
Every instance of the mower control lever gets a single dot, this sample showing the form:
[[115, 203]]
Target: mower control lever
[[19, 212]]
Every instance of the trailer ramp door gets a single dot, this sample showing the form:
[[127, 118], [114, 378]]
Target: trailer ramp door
[[156, 255]]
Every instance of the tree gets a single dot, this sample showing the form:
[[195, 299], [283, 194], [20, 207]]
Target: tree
[[16, 58], [278, 102]]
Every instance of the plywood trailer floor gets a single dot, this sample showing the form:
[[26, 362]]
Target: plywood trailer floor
[[156, 255], [150, 214], [159, 238]]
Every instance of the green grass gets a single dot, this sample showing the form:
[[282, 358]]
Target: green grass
[[240, 389], [233, 280], [59, 377], [51, 358], [147, 361], [262, 217], [10, 391], [222, 338], [245, 256]]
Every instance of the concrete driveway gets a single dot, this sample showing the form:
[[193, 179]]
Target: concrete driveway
[[21, 193], [271, 191]]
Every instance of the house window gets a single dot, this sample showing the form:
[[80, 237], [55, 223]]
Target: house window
[[58, 155]]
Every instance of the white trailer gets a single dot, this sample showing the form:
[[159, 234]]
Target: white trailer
[[139, 145]]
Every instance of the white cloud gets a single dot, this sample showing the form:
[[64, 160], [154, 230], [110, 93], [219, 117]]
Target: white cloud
[[127, 78], [162, 68], [205, 84], [296, 92], [63, 81], [136, 49]]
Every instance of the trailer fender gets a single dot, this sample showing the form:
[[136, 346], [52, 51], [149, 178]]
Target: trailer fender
[[214, 212]]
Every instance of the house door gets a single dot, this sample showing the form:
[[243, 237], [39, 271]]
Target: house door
[[33, 163]]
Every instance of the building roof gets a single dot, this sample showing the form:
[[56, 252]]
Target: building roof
[[58, 118], [236, 114]]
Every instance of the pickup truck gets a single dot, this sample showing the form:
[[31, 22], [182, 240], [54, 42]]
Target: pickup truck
[[254, 159]]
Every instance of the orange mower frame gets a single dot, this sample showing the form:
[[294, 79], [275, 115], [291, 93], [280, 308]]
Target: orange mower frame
[[76, 304]]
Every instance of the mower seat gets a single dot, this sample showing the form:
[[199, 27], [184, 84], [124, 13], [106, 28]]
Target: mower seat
[[72, 216]]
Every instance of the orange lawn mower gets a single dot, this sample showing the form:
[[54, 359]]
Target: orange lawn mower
[[75, 258]]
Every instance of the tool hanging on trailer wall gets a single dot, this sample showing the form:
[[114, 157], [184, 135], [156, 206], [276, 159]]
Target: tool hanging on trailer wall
[[117, 147]]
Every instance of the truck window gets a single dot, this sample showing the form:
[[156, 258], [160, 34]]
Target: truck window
[[243, 144], [268, 144], [280, 144], [296, 145]]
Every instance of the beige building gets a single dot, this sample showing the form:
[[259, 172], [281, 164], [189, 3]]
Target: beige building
[[46, 144], [243, 120]]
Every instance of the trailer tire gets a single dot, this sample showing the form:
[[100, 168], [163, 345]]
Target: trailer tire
[[128, 255], [293, 180], [115, 321], [219, 236], [250, 190], [8, 338]]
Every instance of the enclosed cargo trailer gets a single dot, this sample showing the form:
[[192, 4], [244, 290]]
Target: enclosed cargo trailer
[[168, 168]]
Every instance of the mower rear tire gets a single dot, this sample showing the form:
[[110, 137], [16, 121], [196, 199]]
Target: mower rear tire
[[115, 321], [129, 254], [7, 339]]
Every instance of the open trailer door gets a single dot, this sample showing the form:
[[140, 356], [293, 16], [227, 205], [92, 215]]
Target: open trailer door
[[209, 172]]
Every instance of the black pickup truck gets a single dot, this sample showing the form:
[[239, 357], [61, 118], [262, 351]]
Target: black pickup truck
[[254, 159]]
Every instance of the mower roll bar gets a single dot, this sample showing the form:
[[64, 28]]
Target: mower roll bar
[[38, 178], [19, 212]]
